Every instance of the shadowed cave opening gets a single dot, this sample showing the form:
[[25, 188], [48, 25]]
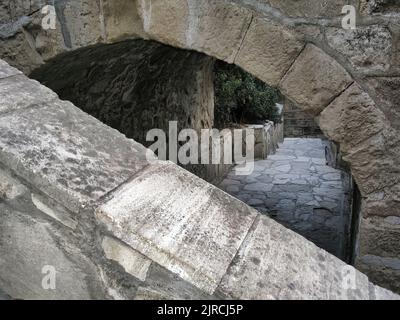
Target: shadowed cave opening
[[138, 85]]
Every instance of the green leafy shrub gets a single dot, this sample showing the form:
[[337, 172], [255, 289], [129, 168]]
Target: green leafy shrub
[[242, 98]]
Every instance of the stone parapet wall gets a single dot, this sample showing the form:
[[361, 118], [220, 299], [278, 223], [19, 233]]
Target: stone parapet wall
[[267, 138], [79, 197]]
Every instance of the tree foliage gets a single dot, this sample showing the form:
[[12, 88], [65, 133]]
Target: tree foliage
[[242, 98]]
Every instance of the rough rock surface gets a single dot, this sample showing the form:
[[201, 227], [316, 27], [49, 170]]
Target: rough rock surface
[[219, 28], [321, 78]]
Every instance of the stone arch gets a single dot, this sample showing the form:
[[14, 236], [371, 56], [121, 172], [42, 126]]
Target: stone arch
[[282, 46]]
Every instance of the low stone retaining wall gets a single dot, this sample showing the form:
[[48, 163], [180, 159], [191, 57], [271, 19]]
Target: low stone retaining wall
[[266, 138]]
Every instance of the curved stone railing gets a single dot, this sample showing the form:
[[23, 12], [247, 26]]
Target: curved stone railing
[[80, 199]]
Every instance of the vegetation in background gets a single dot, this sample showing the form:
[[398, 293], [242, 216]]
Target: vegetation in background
[[242, 98]]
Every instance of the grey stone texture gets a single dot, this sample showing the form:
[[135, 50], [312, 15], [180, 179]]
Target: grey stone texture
[[297, 188], [187, 225], [147, 86], [253, 269], [59, 146], [321, 78], [144, 229], [322, 74], [298, 123]]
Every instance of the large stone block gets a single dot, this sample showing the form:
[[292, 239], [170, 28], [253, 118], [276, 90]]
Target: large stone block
[[375, 163], [179, 221], [314, 80], [387, 278], [19, 92], [368, 48], [378, 237], [276, 263], [7, 71], [31, 250], [210, 26], [352, 118], [268, 50], [383, 202], [68, 155], [122, 20], [379, 293], [81, 22], [47, 43], [19, 52], [386, 91]]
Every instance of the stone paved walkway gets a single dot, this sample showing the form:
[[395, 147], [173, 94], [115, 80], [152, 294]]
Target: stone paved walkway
[[298, 189]]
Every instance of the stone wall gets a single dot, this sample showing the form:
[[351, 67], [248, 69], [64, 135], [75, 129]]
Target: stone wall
[[79, 198], [347, 79], [135, 86], [298, 123], [266, 138]]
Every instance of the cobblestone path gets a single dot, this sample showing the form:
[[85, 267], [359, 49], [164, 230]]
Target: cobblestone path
[[297, 188]]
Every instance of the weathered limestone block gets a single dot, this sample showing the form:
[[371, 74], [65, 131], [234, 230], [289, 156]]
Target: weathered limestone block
[[368, 48], [379, 237], [386, 90], [122, 20], [20, 52], [210, 26], [366, 139], [81, 22], [375, 163], [268, 50], [8, 30], [27, 247], [25, 43], [352, 118], [383, 202], [276, 263], [19, 92], [179, 221], [386, 277], [12, 10], [46, 43], [314, 80], [379, 293], [70, 156], [10, 188], [7, 71], [309, 8], [132, 261]]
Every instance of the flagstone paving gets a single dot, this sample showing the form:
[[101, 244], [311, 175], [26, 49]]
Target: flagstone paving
[[297, 188]]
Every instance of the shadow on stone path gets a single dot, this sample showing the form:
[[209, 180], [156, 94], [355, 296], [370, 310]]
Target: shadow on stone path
[[297, 188]]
